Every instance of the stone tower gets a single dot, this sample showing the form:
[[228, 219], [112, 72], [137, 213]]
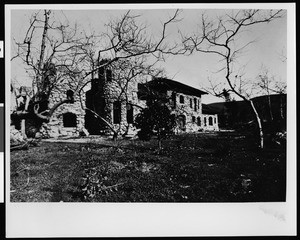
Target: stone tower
[[97, 100]]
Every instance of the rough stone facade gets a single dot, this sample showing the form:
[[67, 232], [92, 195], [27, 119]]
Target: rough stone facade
[[114, 100], [119, 106], [68, 118], [188, 109]]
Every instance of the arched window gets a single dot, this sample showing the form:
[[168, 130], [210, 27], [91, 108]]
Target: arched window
[[205, 121], [210, 121], [198, 121], [69, 120], [181, 99]]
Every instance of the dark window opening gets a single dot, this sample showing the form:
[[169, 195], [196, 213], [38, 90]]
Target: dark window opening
[[117, 112], [181, 99], [181, 122], [210, 121], [129, 108], [191, 103], [174, 99], [69, 120], [198, 121], [204, 121], [193, 119], [215, 120], [108, 75], [70, 96], [142, 92], [198, 104], [195, 104]]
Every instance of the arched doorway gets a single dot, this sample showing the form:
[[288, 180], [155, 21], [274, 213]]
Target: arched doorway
[[210, 121], [181, 120]]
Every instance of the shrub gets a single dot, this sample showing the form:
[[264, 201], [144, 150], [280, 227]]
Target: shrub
[[156, 119]]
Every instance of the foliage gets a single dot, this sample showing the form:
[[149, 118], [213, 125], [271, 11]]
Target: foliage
[[156, 119]]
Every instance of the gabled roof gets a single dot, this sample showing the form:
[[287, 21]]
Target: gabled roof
[[163, 84]]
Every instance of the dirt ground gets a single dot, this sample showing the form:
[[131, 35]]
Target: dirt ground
[[204, 167]]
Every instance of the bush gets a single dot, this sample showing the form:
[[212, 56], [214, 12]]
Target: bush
[[156, 119], [144, 135]]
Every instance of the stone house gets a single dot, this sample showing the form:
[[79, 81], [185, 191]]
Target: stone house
[[186, 103], [119, 102], [119, 105]]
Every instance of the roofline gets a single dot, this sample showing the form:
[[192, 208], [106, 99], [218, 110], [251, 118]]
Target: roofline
[[179, 86]]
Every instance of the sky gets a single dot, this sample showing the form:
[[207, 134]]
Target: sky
[[194, 70]]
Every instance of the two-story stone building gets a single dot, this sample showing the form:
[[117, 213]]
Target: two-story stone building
[[119, 103], [186, 103]]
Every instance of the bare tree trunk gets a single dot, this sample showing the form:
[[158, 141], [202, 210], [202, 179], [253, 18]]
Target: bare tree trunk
[[42, 53], [115, 133], [159, 141], [159, 145], [281, 107], [261, 135], [270, 107], [23, 129], [23, 123]]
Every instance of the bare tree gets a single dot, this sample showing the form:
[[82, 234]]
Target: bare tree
[[267, 85], [220, 37], [264, 83], [60, 57], [53, 54], [126, 75]]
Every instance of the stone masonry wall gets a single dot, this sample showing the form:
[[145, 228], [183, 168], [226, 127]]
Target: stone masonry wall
[[55, 128], [191, 109], [130, 96]]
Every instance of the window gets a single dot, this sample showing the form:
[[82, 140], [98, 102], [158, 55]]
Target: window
[[181, 99], [193, 119], [205, 121], [215, 120], [174, 99], [129, 114], [198, 121], [117, 112], [210, 121], [70, 96], [198, 104], [181, 122], [195, 104], [191, 103], [108, 75], [69, 120]]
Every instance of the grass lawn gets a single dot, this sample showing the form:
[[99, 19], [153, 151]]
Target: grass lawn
[[205, 167]]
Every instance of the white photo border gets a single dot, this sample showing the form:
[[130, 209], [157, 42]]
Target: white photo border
[[158, 219]]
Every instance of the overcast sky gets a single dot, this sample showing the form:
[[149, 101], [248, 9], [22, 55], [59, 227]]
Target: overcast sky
[[194, 70]]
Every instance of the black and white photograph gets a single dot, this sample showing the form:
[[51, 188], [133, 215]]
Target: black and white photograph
[[141, 106]]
